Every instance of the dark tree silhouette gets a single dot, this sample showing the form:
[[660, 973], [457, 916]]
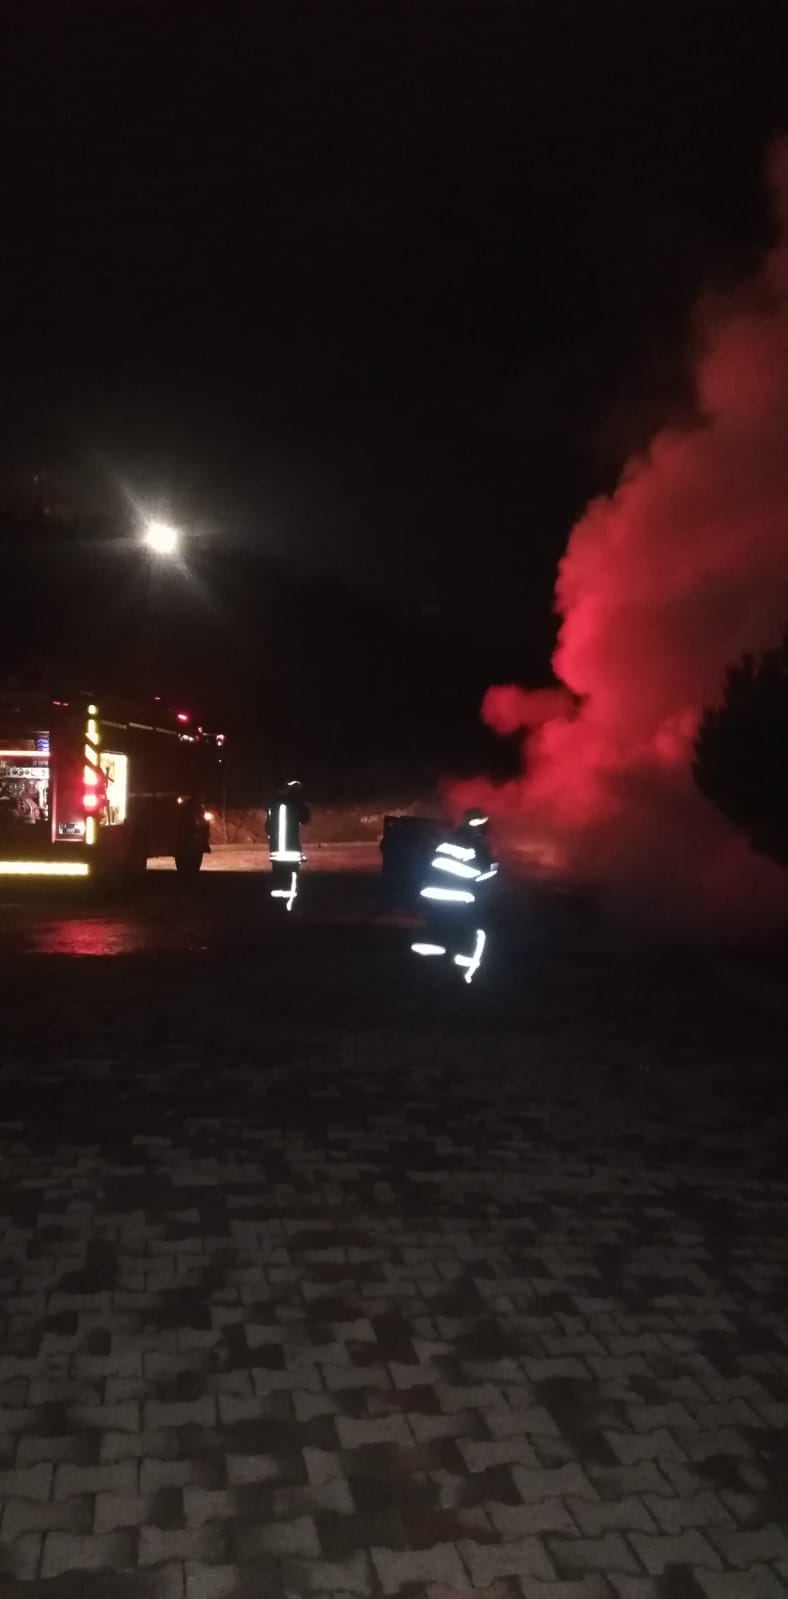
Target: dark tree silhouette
[[741, 751]]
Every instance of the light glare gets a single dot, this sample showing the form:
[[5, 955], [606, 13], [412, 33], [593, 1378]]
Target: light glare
[[161, 538]]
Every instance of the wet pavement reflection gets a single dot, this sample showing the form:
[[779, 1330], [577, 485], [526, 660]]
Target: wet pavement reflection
[[166, 915]]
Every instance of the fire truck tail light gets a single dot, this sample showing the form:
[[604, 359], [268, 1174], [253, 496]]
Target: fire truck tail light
[[90, 800]]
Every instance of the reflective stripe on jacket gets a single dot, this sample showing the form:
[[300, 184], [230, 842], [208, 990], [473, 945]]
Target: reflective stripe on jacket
[[284, 830], [456, 871]]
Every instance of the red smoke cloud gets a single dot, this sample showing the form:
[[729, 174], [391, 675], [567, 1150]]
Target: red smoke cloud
[[663, 584]]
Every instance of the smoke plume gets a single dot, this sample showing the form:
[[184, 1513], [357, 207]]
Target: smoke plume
[[663, 584]]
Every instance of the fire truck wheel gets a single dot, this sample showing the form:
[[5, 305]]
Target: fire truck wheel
[[189, 860]]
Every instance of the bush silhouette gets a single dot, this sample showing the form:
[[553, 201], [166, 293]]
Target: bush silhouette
[[741, 751]]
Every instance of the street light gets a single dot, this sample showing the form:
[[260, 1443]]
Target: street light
[[162, 538]]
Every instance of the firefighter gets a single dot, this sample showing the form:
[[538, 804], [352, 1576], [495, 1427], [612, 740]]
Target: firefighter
[[454, 895], [29, 808], [287, 814], [9, 805], [18, 804]]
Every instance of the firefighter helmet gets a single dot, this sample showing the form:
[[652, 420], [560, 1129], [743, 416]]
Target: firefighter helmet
[[474, 817]]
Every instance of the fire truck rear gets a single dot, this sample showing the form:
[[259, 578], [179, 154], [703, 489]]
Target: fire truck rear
[[96, 787]]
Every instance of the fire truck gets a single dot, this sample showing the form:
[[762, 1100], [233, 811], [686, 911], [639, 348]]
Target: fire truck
[[94, 787]]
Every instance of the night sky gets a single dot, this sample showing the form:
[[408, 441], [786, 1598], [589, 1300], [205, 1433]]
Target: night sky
[[379, 292]]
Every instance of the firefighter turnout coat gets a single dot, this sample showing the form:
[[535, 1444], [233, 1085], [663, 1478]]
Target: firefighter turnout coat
[[287, 814], [454, 897]]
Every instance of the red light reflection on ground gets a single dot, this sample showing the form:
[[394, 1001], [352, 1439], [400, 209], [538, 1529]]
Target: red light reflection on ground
[[74, 936]]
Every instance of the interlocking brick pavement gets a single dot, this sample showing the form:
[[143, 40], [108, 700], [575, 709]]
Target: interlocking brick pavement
[[471, 1312]]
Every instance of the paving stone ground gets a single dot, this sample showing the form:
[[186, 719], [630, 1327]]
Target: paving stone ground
[[469, 1307]]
